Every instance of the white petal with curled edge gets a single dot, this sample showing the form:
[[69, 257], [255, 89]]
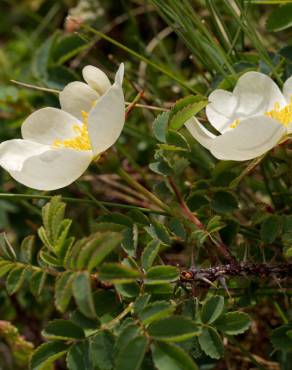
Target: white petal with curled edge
[[256, 93], [40, 167], [46, 125], [287, 90], [106, 120], [96, 79], [250, 139], [13, 153], [120, 74], [199, 132], [77, 97], [220, 110]]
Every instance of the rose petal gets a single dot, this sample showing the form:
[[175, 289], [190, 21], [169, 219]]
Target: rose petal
[[199, 132], [40, 167], [287, 90], [77, 97], [250, 139], [257, 93], [96, 79], [46, 125], [106, 120], [220, 110]]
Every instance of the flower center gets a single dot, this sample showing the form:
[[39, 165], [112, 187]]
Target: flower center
[[80, 141], [282, 115]]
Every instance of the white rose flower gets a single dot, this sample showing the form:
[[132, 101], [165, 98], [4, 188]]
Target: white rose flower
[[252, 119], [59, 144]]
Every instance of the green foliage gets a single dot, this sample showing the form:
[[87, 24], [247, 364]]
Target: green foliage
[[280, 18], [161, 267], [212, 309], [96, 322]]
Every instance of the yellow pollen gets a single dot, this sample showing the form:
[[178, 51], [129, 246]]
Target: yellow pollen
[[80, 141], [282, 115], [235, 123]]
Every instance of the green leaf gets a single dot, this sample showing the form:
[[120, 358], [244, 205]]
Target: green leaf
[[164, 289], [130, 240], [212, 309], [27, 249], [131, 357], [128, 290], [158, 231], [176, 139], [63, 330], [196, 201], [211, 343], [127, 333], [78, 357], [214, 224], [15, 279], [59, 76], [178, 120], [161, 168], [87, 247], [233, 323], [118, 273], [107, 245], [149, 254], [280, 19], [67, 46], [161, 274], [63, 290], [271, 228], [101, 350], [84, 322], [46, 354], [6, 249], [42, 57], [44, 237], [156, 311], [138, 217], [105, 301], [224, 202], [141, 303], [167, 356], [37, 282], [116, 218], [6, 267], [160, 126], [83, 294], [177, 227], [49, 259], [63, 243], [281, 339], [173, 329], [53, 215]]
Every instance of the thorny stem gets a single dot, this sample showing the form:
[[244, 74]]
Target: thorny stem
[[215, 273], [194, 219], [186, 211], [242, 269]]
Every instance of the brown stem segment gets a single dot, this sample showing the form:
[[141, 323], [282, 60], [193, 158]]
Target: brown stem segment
[[194, 219], [243, 269]]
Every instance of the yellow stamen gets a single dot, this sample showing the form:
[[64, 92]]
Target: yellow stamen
[[235, 123], [80, 141], [282, 115]]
